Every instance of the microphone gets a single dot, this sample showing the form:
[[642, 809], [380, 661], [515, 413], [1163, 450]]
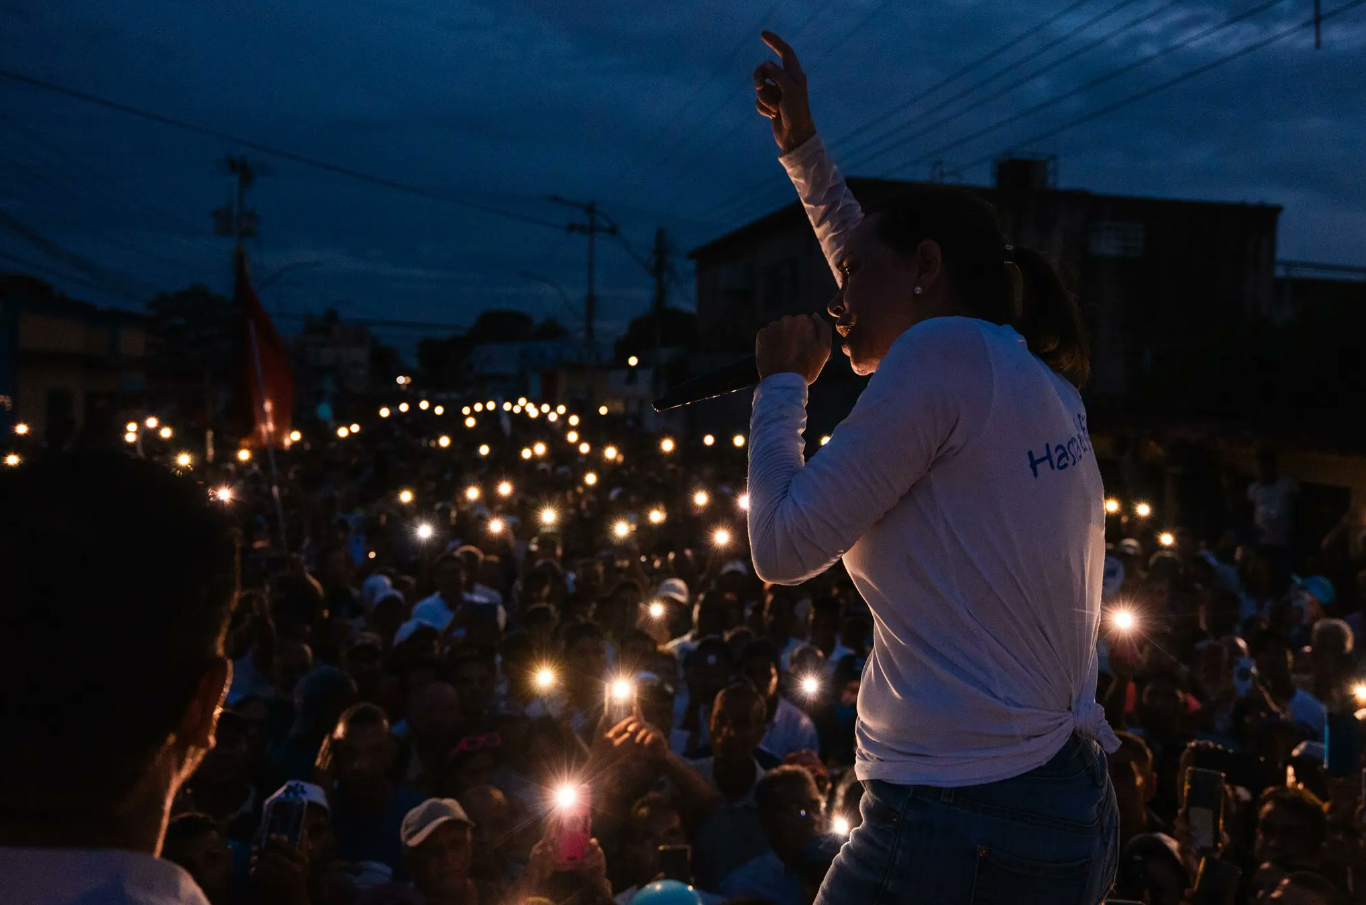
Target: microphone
[[740, 374]]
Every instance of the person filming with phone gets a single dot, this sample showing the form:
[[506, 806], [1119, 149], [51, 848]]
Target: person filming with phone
[[964, 498]]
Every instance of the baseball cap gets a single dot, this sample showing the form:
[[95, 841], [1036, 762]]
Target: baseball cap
[[1320, 587], [422, 821], [309, 792], [1131, 546], [735, 567], [675, 589]]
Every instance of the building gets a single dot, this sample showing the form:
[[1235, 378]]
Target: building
[[1153, 275], [331, 361], [66, 366]]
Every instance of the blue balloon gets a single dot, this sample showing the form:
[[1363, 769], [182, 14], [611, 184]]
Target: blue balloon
[[667, 892]]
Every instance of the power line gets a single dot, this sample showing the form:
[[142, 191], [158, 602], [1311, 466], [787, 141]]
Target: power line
[[873, 153], [1086, 86], [947, 80], [303, 159], [1189, 74], [848, 36]]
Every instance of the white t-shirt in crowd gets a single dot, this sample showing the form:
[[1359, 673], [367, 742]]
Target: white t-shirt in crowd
[[963, 495], [789, 731], [435, 611]]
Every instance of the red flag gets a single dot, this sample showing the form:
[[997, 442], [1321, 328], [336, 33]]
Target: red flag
[[268, 378]]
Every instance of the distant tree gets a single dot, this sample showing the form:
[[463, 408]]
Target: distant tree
[[501, 326], [549, 329], [442, 361], [680, 331]]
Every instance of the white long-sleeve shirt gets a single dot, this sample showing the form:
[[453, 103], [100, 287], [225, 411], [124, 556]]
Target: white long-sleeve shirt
[[965, 500]]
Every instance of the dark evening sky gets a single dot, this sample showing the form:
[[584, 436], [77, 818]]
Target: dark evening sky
[[646, 108]]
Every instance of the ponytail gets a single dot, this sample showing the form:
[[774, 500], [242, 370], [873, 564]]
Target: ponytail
[[1050, 320], [991, 281]]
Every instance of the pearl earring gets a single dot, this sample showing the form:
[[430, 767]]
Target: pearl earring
[[918, 290]]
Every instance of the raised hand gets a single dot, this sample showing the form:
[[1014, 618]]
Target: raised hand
[[781, 91], [799, 343]]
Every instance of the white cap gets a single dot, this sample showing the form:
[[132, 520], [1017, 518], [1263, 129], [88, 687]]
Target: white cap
[[373, 587], [422, 821], [736, 567], [409, 628], [675, 589]]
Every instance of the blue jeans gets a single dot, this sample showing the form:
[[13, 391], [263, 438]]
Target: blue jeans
[[1049, 836]]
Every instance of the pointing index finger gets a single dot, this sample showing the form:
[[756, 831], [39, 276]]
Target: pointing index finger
[[784, 51]]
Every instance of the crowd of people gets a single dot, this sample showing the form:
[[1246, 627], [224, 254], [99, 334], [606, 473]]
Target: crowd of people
[[520, 653]]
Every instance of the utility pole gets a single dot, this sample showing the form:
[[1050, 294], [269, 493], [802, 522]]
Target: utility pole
[[235, 219], [593, 224], [659, 269]]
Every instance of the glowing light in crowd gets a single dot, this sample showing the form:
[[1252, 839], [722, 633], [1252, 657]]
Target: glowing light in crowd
[[483, 449], [548, 516], [1123, 620], [738, 440], [573, 420], [566, 797], [505, 488], [151, 423], [666, 445], [590, 479], [632, 361], [602, 410], [343, 432], [516, 410], [622, 528], [184, 460], [521, 400], [840, 825], [223, 494], [471, 493], [439, 410], [405, 496], [479, 406], [811, 686], [424, 405], [656, 610], [1112, 506], [244, 455], [538, 448], [559, 410], [295, 436], [470, 422], [545, 408], [552, 417], [609, 453], [496, 526], [1359, 692], [1143, 510], [131, 427], [130, 437], [13, 460], [370, 555], [584, 449], [701, 499], [721, 537], [824, 440], [656, 516], [21, 428], [425, 531], [622, 689], [572, 437], [743, 501], [526, 452], [443, 441], [465, 410], [384, 411], [355, 428], [489, 405], [531, 412], [400, 380], [1166, 538], [507, 406], [545, 678], [403, 407]]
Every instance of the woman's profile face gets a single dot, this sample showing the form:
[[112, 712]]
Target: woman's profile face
[[875, 302]]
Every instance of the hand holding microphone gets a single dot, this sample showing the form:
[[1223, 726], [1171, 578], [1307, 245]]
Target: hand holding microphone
[[798, 343]]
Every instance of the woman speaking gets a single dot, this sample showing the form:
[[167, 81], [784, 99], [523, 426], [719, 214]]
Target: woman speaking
[[964, 498]]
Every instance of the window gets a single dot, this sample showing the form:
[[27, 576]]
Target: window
[[1117, 239]]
